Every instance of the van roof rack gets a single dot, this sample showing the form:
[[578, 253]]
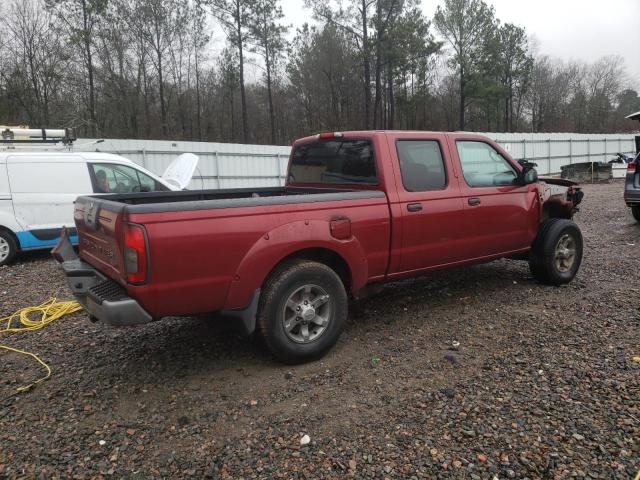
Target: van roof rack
[[36, 136]]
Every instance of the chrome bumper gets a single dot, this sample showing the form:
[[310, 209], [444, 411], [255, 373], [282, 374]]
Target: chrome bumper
[[103, 298]]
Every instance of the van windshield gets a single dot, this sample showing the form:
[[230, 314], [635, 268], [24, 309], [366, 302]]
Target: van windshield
[[334, 160]]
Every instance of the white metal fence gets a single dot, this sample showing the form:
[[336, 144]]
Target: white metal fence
[[228, 165], [221, 165], [551, 151]]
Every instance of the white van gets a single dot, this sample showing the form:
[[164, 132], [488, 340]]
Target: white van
[[37, 191]]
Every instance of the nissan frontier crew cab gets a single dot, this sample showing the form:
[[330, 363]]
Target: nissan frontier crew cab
[[358, 209]]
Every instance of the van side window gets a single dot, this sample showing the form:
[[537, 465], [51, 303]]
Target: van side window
[[421, 165], [484, 166], [116, 178]]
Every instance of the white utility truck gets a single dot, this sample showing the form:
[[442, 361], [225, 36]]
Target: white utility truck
[[41, 176]]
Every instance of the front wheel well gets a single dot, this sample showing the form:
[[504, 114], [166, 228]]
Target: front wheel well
[[325, 256], [554, 210]]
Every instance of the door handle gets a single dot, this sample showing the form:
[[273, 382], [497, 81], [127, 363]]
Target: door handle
[[414, 207], [473, 201]]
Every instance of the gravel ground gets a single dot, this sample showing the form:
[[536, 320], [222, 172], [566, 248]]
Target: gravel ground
[[542, 385]]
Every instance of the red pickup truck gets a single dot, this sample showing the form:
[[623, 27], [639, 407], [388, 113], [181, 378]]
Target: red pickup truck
[[358, 209]]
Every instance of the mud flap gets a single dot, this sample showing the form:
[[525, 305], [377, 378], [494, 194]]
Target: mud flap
[[246, 315]]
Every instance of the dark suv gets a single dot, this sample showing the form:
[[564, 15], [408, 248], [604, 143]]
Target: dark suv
[[632, 187]]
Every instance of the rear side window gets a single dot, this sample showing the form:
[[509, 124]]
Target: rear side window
[[334, 161], [483, 166], [421, 165]]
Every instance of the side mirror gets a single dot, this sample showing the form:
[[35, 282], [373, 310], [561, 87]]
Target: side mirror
[[528, 175]]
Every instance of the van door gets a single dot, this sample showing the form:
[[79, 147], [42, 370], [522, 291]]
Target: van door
[[43, 191], [431, 208], [7, 217]]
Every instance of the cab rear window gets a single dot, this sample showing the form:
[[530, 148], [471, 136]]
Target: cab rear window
[[334, 160]]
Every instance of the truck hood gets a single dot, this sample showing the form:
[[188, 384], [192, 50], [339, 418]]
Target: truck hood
[[179, 173], [558, 181]]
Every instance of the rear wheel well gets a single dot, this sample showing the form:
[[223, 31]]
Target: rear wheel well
[[325, 256], [10, 232]]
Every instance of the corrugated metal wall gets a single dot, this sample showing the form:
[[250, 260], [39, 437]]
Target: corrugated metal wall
[[552, 150], [229, 165], [221, 165]]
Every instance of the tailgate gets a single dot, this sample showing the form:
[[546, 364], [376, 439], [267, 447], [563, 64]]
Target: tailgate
[[100, 236]]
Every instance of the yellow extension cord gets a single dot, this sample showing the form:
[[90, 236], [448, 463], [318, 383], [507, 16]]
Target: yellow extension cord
[[51, 310]]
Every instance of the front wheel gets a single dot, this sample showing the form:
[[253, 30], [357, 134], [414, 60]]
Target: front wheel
[[556, 253], [302, 311], [8, 247], [635, 211]]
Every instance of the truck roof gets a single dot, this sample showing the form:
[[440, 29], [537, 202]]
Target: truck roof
[[371, 133]]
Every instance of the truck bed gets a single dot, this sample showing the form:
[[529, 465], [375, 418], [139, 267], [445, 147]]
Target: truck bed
[[230, 198], [198, 242]]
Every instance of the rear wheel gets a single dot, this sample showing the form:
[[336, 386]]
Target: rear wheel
[[635, 210], [556, 253], [8, 247], [302, 312]]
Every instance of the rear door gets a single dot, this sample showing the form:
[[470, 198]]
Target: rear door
[[500, 212], [433, 219], [43, 191]]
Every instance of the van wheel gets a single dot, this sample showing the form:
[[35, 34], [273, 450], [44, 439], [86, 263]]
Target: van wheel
[[556, 253], [635, 211], [8, 247], [302, 311]]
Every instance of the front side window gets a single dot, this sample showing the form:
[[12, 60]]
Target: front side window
[[115, 178], [421, 165], [334, 160], [483, 166]]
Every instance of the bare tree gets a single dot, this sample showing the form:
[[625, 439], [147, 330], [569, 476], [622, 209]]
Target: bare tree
[[270, 43], [233, 15], [465, 24], [158, 23], [80, 18], [36, 65]]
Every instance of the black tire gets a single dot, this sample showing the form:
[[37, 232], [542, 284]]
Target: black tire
[[287, 283], [8, 247], [635, 211], [549, 266]]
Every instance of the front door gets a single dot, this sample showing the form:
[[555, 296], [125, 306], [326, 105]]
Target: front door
[[431, 208], [499, 210]]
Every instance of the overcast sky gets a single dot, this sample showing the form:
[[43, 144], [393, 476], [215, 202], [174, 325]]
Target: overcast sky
[[568, 29]]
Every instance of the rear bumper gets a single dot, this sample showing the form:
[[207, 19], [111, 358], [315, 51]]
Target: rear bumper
[[632, 197], [100, 296]]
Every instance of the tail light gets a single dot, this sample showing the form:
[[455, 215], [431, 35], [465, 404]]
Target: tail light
[[631, 166], [135, 253], [327, 135]]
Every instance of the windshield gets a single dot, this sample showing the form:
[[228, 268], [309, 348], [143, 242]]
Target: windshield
[[334, 160], [117, 178]]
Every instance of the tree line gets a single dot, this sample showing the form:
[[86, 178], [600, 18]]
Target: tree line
[[159, 69]]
